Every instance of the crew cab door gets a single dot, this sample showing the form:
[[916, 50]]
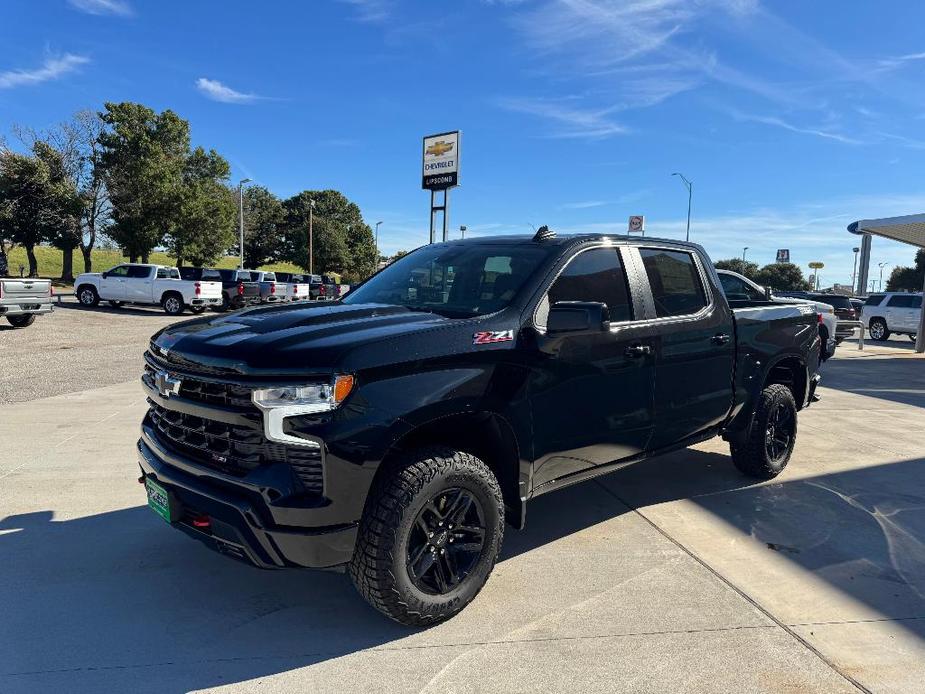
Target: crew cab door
[[137, 285], [112, 283], [694, 344], [591, 393]]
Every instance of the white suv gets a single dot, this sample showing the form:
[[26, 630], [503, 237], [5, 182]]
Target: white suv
[[892, 312]]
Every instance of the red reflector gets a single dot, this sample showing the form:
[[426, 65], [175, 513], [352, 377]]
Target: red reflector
[[202, 522], [819, 317], [240, 288], [272, 289]]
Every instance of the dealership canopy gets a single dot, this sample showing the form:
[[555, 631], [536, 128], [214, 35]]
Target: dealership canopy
[[908, 229]]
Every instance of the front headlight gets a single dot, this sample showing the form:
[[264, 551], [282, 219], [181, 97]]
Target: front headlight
[[311, 398]]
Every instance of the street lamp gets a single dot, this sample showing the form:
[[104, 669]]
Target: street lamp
[[311, 250], [689, 185], [241, 217], [881, 266], [377, 241], [462, 230], [743, 255], [854, 272]]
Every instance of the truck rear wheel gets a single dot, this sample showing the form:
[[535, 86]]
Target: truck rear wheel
[[21, 321], [767, 450], [173, 304], [429, 537]]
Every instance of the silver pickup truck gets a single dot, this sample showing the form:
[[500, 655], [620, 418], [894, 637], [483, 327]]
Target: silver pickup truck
[[21, 300]]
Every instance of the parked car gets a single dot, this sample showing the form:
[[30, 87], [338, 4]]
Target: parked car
[[738, 287], [22, 299], [266, 281], [324, 288], [848, 317], [137, 283], [396, 431], [857, 305], [892, 312], [238, 290], [297, 287]]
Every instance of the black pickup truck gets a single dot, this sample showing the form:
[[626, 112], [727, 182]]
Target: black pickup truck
[[237, 289], [395, 431]]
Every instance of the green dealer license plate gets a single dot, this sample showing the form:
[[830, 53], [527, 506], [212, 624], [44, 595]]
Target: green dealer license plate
[[158, 499]]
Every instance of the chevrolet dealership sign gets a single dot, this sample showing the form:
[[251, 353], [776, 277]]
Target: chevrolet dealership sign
[[441, 161]]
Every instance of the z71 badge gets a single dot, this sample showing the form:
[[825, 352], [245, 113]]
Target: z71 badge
[[490, 337]]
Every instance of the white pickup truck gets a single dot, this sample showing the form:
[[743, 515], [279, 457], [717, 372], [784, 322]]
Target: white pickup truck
[[134, 283], [22, 299], [297, 286]]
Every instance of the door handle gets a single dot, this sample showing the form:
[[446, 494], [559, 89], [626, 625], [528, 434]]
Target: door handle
[[720, 339], [636, 351]]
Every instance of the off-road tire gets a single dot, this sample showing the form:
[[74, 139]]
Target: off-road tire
[[883, 333], [172, 303], [87, 295], [21, 321], [379, 565], [751, 457]]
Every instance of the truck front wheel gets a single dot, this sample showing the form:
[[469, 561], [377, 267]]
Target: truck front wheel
[[429, 537], [767, 450]]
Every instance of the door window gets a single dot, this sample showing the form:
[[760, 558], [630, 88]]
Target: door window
[[595, 275], [118, 271], [675, 282], [737, 289]]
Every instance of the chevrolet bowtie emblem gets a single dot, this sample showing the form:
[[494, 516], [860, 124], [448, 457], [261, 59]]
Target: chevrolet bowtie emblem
[[439, 148], [166, 384]]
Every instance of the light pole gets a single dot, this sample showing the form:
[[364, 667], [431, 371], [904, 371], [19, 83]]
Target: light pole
[[880, 285], [311, 250], [689, 185], [377, 242], [241, 218], [462, 230], [743, 255], [854, 272]]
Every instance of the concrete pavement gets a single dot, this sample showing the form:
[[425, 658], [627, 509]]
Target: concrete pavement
[[673, 575]]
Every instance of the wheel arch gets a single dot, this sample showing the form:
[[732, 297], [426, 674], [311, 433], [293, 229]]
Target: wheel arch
[[790, 371], [486, 435]]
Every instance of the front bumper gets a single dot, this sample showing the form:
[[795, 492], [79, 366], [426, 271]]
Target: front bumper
[[26, 308], [240, 522]]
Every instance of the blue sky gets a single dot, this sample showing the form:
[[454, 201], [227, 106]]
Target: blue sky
[[792, 118]]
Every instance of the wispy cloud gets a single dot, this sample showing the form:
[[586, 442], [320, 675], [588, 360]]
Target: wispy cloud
[[100, 7], [51, 69], [371, 10], [577, 122], [780, 123], [215, 90], [900, 60], [584, 204]]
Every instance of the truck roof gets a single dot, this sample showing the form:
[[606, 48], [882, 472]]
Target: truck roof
[[571, 239]]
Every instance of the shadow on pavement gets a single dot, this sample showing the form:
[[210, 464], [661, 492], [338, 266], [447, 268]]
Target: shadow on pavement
[[898, 380], [127, 310], [123, 594]]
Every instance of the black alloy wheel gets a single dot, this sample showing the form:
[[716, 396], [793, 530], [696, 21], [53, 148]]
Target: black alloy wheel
[[446, 542], [781, 429]]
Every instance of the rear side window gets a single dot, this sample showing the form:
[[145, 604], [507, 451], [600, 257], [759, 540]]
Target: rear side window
[[874, 300], [905, 301], [168, 273], [138, 272], [675, 282], [595, 275]]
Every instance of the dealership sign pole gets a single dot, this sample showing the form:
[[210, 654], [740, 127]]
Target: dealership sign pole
[[440, 172]]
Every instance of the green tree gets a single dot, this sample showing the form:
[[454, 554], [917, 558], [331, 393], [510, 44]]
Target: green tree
[[908, 278], [782, 276], [144, 156], [203, 228], [36, 203], [64, 206], [362, 256], [748, 269], [333, 251], [263, 227]]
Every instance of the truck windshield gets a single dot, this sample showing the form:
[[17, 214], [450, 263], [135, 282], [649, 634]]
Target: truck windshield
[[457, 281]]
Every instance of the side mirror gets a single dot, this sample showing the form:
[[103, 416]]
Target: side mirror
[[577, 317], [104, 275]]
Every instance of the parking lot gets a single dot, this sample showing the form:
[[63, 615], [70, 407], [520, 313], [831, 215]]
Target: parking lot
[[676, 574]]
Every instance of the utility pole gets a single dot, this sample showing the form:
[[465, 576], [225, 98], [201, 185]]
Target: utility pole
[[854, 272], [241, 218], [311, 250], [462, 230], [881, 265], [690, 187], [743, 255]]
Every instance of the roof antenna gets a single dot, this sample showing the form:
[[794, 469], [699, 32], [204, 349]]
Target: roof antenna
[[544, 233]]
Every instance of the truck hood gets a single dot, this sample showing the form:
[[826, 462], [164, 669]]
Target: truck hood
[[297, 340]]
